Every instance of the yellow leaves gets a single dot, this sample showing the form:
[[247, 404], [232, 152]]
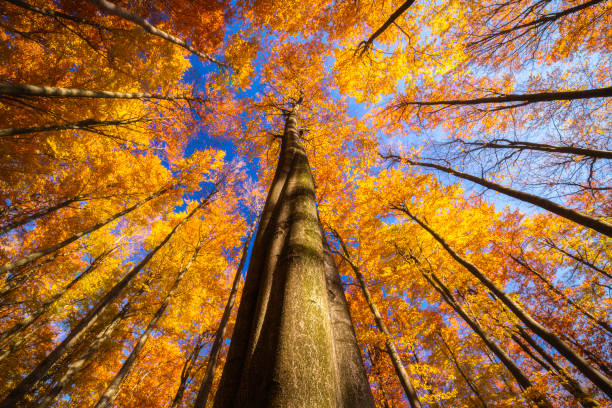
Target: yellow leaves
[[240, 54]]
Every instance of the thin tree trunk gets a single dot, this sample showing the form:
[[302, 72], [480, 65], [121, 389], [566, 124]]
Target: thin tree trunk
[[570, 384], [602, 324], [78, 365], [424, 380], [86, 124], [379, 378], [461, 372], [365, 45], [526, 98], [8, 335], [524, 145], [530, 393], [57, 14], [188, 366], [119, 11], [538, 22], [215, 350], [112, 390], [27, 384], [10, 266], [398, 365], [16, 345], [283, 350], [16, 280], [590, 222], [594, 358], [21, 90], [15, 224], [580, 259], [600, 380]]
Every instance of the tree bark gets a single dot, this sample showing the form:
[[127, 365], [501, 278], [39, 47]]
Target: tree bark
[[602, 324], [524, 145], [467, 380], [8, 335], [283, 350], [530, 393], [112, 390], [119, 11], [87, 124], [599, 379], [22, 90], [26, 385], [365, 45], [75, 367], [57, 14], [567, 213], [25, 260], [213, 356], [565, 379], [525, 98], [398, 365]]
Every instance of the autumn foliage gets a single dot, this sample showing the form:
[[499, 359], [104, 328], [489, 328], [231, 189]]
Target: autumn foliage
[[461, 159]]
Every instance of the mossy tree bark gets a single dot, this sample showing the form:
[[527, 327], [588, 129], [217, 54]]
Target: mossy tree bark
[[293, 343]]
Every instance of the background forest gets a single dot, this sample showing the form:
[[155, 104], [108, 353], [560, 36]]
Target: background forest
[[461, 156]]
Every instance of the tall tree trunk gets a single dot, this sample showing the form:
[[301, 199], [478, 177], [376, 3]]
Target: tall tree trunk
[[21, 90], [10, 266], [599, 379], [530, 393], [463, 374], [567, 213], [291, 345], [565, 379], [525, 98], [27, 384], [577, 258], [119, 11], [87, 125], [112, 390], [15, 224], [601, 323], [6, 335], [75, 367], [542, 147], [186, 372], [398, 365], [215, 350]]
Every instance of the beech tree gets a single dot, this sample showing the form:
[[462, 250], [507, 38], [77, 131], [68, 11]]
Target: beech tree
[[432, 182]]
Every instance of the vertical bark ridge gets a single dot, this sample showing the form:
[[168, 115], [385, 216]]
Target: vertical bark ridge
[[284, 351]]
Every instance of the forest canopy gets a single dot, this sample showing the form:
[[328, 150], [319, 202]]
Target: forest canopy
[[415, 193]]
